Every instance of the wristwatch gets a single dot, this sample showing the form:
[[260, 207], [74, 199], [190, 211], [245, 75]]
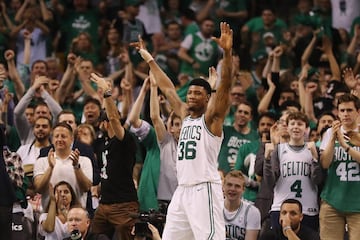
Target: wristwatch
[[77, 166], [107, 93]]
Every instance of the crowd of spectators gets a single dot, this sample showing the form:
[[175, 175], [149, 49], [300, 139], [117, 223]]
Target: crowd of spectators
[[59, 119]]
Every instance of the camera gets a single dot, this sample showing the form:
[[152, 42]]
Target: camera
[[156, 218]]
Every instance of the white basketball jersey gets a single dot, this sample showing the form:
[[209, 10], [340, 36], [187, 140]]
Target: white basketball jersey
[[295, 179], [197, 153], [236, 223]]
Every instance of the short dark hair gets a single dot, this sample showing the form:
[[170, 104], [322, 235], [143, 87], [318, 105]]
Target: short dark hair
[[289, 103], [347, 97], [292, 201], [268, 115], [297, 116], [39, 61], [43, 117], [288, 90], [65, 111], [41, 103], [207, 19], [201, 82], [65, 125], [327, 113], [92, 100], [247, 103], [269, 8], [172, 22]]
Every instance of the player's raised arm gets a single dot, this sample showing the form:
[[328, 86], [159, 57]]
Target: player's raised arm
[[217, 109], [163, 81]]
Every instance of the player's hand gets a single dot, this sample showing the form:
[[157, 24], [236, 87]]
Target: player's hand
[[140, 44], [226, 38]]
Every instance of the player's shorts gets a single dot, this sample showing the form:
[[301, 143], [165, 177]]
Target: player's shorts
[[196, 212]]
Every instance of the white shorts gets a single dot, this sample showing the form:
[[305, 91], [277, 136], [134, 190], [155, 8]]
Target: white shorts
[[196, 212]]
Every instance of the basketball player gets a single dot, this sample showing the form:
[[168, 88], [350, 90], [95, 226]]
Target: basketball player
[[242, 219], [196, 209], [296, 172]]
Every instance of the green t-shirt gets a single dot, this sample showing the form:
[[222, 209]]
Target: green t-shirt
[[230, 145], [342, 185], [256, 24], [245, 162], [149, 180], [74, 23], [204, 52]]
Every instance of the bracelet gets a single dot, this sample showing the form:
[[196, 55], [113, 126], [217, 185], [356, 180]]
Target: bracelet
[[77, 166]]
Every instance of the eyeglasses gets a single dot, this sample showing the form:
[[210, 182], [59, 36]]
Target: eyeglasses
[[237, 94]]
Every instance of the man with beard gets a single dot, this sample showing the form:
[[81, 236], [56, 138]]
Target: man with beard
[[30, 152], [246, 156], [290, 221], [235, 136]]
